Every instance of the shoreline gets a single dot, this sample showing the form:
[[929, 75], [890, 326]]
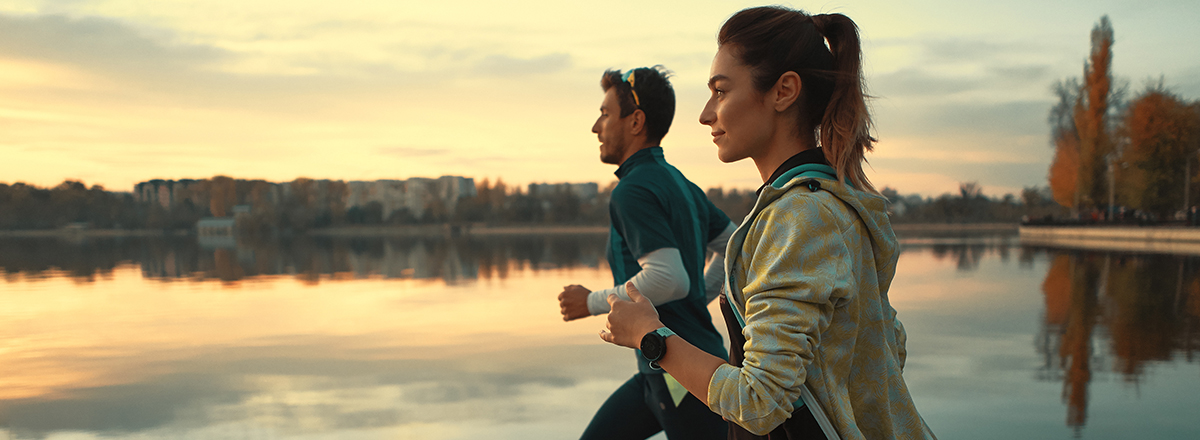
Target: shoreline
[[955, 227], [1174, 234], [452, 230], [1149, 239], [91, 233]]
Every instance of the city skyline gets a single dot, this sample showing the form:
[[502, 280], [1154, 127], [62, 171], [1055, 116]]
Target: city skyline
[[114, 92]]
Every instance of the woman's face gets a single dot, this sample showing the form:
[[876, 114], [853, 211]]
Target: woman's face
[[741, 118]]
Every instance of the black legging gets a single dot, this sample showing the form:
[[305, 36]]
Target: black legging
[[642, 407]]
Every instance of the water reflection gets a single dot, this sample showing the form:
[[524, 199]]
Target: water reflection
[[1122, 311], [348, 338], [309, 260]]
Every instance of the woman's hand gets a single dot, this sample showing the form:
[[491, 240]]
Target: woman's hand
[[630, 320]]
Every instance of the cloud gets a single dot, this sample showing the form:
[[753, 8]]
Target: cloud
[[118, 408], [962, 50], [918, 82], [995, 82], [1018, 118], [228, 385], [99, 43], [506, 66]]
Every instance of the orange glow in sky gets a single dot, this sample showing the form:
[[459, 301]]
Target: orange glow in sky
[[114, 92]]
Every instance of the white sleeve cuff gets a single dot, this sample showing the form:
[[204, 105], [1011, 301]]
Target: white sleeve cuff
[[662, 279]]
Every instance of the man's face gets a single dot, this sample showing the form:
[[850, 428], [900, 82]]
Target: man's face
[[612, 129]]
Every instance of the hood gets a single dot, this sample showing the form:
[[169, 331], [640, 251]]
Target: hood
[[871, 209]]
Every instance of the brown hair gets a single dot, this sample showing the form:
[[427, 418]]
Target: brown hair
[[655, 95], [773, 40]]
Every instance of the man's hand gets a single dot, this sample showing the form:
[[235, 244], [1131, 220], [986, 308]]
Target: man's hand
[[573, 302], [630, 320]]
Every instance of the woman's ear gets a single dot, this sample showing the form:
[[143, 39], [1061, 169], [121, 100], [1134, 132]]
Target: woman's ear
[[786, 91]]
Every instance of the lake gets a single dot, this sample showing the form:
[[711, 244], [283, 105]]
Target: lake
[[440, 338]]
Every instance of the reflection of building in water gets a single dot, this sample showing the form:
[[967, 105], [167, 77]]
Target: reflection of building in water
[[452, 260], [1142, 302], [420, 260], [215, 232]]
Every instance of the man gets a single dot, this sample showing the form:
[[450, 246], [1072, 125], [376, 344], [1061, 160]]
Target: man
[[661, 225]]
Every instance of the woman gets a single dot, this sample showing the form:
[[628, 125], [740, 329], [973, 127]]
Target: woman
[[816, 349]]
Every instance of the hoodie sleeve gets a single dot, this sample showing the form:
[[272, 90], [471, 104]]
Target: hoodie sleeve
[[797, 270]]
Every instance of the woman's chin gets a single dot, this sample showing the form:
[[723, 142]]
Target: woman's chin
[[727, 156]]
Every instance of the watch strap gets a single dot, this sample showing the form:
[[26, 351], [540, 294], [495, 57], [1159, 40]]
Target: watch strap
[[663, 333]]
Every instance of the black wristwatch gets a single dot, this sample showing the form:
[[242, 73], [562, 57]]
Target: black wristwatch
[[654, 346]]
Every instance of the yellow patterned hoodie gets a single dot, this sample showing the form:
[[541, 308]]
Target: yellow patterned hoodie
[[809, 270]]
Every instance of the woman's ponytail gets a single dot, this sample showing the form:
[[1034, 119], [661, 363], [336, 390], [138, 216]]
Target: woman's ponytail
[[844, 132]]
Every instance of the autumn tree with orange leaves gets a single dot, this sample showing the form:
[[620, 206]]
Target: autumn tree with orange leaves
[[1080, 128], [1064, 171], [1091, 117], [1163, 134]]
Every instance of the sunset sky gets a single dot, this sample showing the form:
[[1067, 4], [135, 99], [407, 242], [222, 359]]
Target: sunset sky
[[114, 92]]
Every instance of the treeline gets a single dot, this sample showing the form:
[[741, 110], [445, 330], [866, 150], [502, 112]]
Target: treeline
[[305, 204], [1122, 158], [268, 208], [30, 207], [500, 203], [970, 205]]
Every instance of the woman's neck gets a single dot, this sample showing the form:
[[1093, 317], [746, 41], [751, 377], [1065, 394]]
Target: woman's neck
[[779, 149]]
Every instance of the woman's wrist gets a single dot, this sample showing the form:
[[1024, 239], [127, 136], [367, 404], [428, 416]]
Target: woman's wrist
[[650, 327]]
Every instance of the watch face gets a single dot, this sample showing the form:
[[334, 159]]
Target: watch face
[[653, 346]]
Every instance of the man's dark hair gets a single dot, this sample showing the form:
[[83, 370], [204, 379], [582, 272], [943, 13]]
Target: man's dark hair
[[655, 97]]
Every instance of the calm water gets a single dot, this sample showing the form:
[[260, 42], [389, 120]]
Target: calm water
[[457, 339]]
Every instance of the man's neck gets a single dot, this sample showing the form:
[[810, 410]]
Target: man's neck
[[637, 145]]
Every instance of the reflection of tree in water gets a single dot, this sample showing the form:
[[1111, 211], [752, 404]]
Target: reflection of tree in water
[[1149, 304], [966, 256], [308, 259], [83, 260]]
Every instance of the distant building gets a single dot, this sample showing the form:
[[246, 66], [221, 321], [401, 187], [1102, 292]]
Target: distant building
[[584, 191], [165, 193], [415, 195]]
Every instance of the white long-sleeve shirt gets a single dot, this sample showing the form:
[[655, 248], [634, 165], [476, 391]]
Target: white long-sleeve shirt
[[664, 279]]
